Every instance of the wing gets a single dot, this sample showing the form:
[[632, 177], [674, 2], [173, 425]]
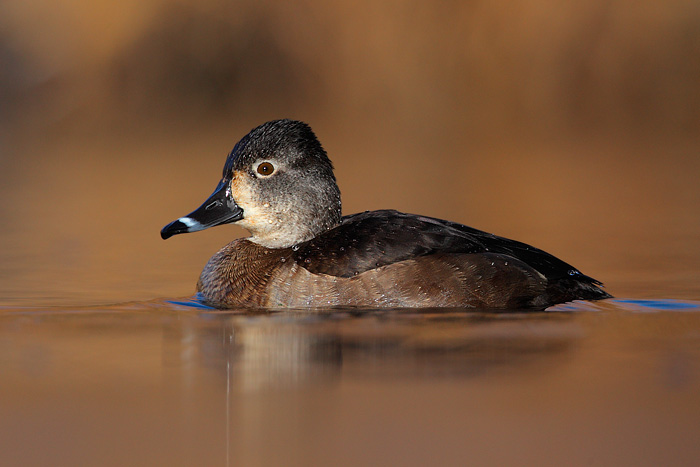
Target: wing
[[378, 238]]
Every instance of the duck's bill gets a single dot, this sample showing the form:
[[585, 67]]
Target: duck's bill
[[219, 208]]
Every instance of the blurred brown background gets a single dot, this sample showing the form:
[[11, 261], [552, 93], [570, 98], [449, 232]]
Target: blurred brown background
[[572, 126]]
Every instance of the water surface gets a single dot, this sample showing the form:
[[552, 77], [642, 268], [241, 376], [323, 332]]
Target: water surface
[[167, 383], [97, 369]]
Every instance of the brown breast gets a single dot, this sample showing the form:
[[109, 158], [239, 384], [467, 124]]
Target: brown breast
[[239, 274]]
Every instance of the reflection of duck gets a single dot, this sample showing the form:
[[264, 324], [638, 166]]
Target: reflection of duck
[[278, 183]]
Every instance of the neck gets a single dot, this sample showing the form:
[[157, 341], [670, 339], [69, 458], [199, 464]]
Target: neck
[[289, 227]]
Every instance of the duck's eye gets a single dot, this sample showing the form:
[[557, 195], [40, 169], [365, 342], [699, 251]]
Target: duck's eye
[[266, 168]]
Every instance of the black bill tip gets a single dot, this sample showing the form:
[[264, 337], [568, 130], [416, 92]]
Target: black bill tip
[[176, 227]]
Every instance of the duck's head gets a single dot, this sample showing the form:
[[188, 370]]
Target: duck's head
[[277, 183]]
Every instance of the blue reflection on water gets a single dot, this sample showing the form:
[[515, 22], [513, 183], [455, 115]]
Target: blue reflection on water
[[194, 302], [628, 304], [657, 305]]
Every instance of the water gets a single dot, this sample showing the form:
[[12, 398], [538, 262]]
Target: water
[[100, 364], [168, 382]]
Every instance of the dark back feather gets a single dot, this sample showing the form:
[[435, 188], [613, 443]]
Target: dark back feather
[[372, 239]]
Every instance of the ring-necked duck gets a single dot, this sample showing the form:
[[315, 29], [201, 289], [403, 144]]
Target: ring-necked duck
[[278, 183]]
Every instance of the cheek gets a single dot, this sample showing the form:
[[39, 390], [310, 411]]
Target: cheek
[[241, 190], [256, 210], [237, 187]]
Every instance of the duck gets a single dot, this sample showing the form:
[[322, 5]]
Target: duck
[[278, 183]]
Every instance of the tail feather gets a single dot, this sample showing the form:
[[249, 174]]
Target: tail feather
[[578, 287]]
